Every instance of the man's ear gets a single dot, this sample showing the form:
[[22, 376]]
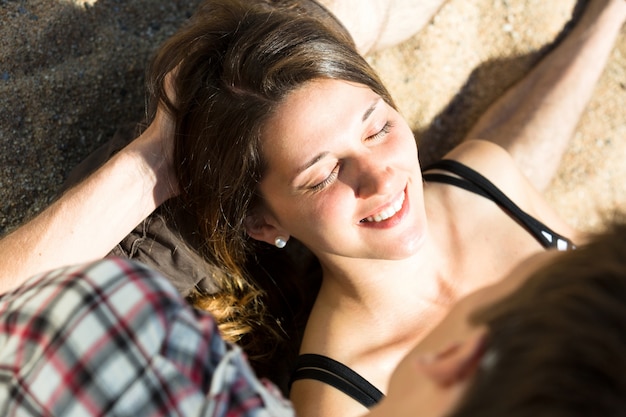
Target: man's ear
[[263, 227], [457, 362]]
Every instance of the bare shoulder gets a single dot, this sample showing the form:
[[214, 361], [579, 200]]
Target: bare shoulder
[[497, 165], [315, 399], [488, 158], [494, 163]]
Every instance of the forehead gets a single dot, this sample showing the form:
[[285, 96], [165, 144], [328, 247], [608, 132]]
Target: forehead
[[313, 115]]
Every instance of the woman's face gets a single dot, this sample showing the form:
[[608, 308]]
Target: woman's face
[[343, 175]]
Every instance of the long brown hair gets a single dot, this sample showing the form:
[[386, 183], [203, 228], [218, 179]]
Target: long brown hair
[[235, 62]]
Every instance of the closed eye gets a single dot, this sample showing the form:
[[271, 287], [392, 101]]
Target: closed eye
[[381, 133], [328, 180]]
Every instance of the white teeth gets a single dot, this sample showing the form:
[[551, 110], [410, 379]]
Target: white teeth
[[388, 212]]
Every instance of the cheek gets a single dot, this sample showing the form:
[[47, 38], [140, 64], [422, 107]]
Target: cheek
[[331, 205], [322, 218], [402, 146], [408, 144]]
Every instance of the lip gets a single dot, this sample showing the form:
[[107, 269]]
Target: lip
[[391, 221]]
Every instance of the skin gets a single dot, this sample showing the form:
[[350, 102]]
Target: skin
[[398, 302], [399, 296], [535, 119], [140, 175], [392, 277], [325, 205], [432, 378], [71, 230], [368, 21]]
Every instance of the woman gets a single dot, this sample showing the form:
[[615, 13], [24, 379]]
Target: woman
[[283, 133]]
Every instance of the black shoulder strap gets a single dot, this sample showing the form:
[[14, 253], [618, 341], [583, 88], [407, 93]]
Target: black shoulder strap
[[455, 181], [477, 183], [329, 371]]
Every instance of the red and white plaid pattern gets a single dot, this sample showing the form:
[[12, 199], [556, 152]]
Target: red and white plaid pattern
[[115, 338]]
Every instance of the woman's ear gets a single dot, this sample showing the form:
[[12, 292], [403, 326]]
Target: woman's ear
[[458, 362], [263, 227]]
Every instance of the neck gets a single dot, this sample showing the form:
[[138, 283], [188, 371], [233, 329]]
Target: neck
[[401, 296]]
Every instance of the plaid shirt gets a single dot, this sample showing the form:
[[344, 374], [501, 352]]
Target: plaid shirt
[[115, 338]]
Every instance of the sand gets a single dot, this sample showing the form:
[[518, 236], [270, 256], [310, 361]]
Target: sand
[[71, 73]]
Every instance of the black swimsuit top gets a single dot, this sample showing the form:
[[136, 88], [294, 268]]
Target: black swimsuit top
[[338, 375]]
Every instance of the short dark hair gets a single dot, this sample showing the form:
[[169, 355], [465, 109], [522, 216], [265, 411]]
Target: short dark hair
[[557, 346]]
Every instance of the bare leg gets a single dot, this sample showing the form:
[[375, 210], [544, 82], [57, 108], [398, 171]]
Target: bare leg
[[535, 119], [377, 24]]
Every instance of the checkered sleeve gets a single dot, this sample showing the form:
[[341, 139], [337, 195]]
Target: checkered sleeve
[[114, 338]]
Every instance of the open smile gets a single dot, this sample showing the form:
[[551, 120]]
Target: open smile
[[388, 212]]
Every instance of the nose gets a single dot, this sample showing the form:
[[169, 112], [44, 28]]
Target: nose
[[374, 177]]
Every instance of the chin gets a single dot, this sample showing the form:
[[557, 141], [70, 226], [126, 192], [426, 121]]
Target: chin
[[412, 248], [406, 248], [414, 240]]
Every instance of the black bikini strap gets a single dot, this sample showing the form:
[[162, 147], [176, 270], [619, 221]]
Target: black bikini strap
[[327, 370], [455, 181], [481, 185]]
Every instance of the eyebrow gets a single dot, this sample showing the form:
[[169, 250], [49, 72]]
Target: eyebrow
[[371, 109], [321, 155]]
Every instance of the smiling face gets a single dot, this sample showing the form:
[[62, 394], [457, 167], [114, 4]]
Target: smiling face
[[343, 175]]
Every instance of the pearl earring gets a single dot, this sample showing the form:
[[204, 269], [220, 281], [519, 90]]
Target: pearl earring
[[280, 242]]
